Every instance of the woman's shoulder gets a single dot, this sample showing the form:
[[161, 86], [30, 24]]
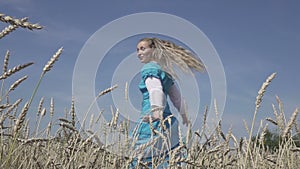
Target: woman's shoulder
[[151, 69]]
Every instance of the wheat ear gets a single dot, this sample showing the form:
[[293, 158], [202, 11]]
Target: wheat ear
[[46, 68], [14, 86], [7, 30], [19, 22], [272, 121], [11, 28], [17, 83], [262, 90], [262, 135], [40, 106], [258, 101], [5, 62], [99, 95], [51, 62], [13, 106], [20, 120], [281, 117], [51, 107], [289, 125], [14, 70], [107, 91], [43, 112], [73, 112]]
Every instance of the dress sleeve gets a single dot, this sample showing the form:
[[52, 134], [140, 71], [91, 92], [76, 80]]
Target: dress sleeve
[[156, 94], [151, 72], [154, 70]]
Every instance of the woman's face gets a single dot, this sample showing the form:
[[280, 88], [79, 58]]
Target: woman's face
[[144, 51]]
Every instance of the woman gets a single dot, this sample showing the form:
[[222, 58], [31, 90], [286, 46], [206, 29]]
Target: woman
[[158, 129]]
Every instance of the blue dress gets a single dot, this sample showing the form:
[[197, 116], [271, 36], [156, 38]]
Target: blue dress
[[143, 134]]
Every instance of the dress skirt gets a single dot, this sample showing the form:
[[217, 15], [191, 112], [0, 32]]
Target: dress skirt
[[154, 142]]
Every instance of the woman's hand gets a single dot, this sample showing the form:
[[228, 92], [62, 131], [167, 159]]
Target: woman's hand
[[185, 120], [156, 115]]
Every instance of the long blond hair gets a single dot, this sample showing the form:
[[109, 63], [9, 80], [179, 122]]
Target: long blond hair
[[167, 53]]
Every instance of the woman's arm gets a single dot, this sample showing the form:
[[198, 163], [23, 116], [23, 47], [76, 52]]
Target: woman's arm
[[175, 97], [156, 97], [155, 89]]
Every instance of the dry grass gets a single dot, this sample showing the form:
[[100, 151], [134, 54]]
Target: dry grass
[[68, 147]]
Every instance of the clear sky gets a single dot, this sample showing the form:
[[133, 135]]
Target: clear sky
[[252, 38]]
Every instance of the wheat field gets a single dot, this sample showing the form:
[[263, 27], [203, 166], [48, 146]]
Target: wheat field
[[70, 147]]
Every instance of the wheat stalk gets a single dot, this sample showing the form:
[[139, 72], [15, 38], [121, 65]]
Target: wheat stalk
[[18, 22], [17, 83], [246, 126], [262, 90], [48, 130], [65, 120], [70, 127], [11, 28], [46, 68], [34, 140], [40, 106], [73, 112], [4, 106], [204, 122], [14, 106], [99, 116], [20, 119], [142, 147], [14, 86], [258, 101], [219, 130], [281, 117], [114, 119], [272, 121], [6, 59], [91, 123], [297, 128], [14, 70], [51, 107], [262, 135], [43, 112], [51, 62], [2, 118], [7, 30], [180, 136], [289, 125], [99, 95], [278, 118], [107, 91]]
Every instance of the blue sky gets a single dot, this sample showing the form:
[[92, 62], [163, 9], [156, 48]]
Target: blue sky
[[252, 38]]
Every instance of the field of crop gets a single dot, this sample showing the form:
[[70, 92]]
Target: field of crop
[[70, 147]]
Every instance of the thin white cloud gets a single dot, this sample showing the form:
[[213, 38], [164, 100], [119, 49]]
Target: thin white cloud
[[22, 6]]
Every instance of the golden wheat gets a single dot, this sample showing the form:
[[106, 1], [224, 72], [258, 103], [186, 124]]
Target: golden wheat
[[289, 125], [7, 30], [40, 106], [19, 22], [14, 70], [20, 120], [17, 83], [51, 62], [6, 59]]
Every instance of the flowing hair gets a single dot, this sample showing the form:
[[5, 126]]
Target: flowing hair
[[167, 53]]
